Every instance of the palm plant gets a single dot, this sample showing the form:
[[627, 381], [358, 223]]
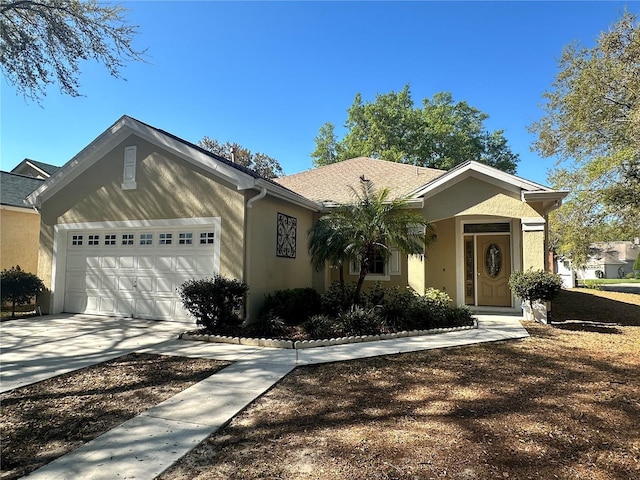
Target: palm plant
[[366, 228]]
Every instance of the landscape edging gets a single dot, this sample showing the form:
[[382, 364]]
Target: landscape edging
[[303, 344]]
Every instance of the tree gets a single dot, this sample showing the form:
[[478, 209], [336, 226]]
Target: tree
[[260, 163], [42, 42], [366, 229], [440, 134], [19, 287], [591, 123]]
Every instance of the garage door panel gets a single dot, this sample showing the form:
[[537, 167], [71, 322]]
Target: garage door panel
[[185, 264], [133, 279], [127, 261], [146, 262], [144, 284]]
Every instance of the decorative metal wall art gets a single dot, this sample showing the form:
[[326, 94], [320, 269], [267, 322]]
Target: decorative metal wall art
[[287, 229]]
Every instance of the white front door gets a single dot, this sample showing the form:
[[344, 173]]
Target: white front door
[[136, 272]]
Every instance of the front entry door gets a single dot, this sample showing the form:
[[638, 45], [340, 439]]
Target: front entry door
[[493, 256]]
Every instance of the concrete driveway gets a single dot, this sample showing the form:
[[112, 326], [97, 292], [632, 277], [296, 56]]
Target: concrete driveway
[[622, 287], [37, 348]]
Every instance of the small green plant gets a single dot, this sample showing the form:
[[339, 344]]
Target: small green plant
[[18, 287], [593, 284], [535, 285], [360, 321], [215, 303], [320, 326], [293, 305], [268, 326]]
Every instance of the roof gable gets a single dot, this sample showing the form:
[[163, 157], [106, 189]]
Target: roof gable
[[215, 165], [33, 168], [14, 188]]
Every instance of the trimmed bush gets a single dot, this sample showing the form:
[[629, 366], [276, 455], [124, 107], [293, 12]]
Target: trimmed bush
[[294, 305], [535, 285], [335, 301], [215, 303], [18, 287]]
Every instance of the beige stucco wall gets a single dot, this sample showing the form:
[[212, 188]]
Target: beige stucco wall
[[416, 272], [533, 251], [19, 239], [476, 197], [440, 265], [265, 271], [167, 188]]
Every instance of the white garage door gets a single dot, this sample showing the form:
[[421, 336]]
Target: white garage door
[[136, 272]]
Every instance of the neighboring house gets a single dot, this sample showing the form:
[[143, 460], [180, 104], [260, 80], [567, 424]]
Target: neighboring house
[[610, 260], [139, 211], [32, 168], [19, 222]]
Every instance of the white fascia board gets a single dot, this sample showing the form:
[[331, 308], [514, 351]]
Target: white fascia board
[[480, 171], [544, 196], [38, 169], [25, 209], [80, 162]]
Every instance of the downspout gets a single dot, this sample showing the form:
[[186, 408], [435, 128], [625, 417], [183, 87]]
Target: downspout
[[248, 245]]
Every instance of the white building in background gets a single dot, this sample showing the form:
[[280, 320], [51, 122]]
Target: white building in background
[[606, 260]]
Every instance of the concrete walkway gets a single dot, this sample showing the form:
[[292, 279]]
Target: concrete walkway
[[148, 444]]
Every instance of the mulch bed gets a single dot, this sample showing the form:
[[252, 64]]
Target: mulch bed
[[43, 421]]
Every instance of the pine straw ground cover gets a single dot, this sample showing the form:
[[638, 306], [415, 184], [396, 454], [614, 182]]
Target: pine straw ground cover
[[43, 421], [564, 403]]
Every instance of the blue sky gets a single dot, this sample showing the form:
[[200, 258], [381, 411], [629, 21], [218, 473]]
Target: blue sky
[[267, 75]]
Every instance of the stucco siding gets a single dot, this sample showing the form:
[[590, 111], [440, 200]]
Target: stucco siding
[[19, 239], [533, 250], [267, 272], [440, 266], [475, 197], [416, 273]]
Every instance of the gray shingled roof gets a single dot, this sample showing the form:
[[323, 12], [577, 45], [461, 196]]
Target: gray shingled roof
[[50, 169], [332, 183], [14, 188]]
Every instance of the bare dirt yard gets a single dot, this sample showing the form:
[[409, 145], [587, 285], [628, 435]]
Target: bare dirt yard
[[564, 404], [43, 421]]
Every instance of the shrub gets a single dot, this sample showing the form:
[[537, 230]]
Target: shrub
[[396, 309], [535, 285], [375, 296], [18, 287], [459, 316], [360, 321], [267, 326], [294, 305], [593, 284], [336, 300], [215, 303], [320, 326]]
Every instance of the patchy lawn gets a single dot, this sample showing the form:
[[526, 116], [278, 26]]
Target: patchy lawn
[[561, 404], [43, 421]]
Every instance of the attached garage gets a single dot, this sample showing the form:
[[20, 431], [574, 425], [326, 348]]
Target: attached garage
[[135, 271]]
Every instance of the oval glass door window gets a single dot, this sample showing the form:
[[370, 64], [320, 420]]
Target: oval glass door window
[[493, 260]]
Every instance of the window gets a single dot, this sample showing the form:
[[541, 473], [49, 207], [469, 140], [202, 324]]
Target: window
[[94, 240], [110, 239], [185, 239], [206, 238], [127, 239], [165, 238], [76, 240], [146, 238], [380, 269]]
